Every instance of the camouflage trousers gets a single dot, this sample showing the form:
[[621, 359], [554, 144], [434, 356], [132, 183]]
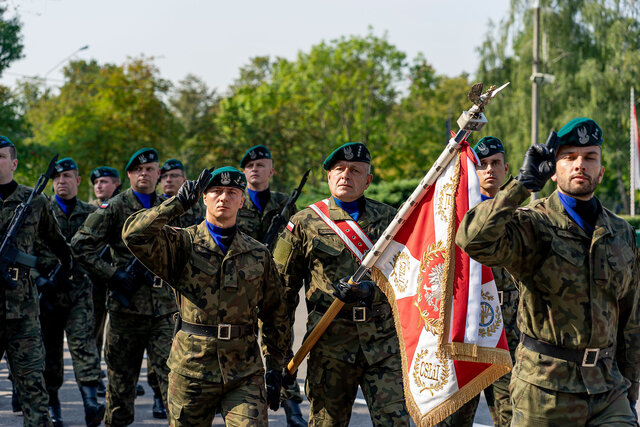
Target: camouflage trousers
[[500, 408], [332, 386], [76, 321], [21, 339], [99, 296], [193, 402], [128, 336], [538, 406], [464, 416]]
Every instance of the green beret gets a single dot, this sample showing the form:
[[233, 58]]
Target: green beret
[[171, 164], [5, 142], [228, 177], [66, 164], [580, 132], [351, 152], [254, 153], [140, 157], [101, 171], [488, 146]]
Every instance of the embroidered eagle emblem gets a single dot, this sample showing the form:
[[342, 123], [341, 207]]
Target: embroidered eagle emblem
[[225, 178], [583, 136], [348, 153]]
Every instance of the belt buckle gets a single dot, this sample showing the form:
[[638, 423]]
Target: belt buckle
[[14, 272], [501, 297], [157, 282], [224, 332], [359, 314], [587, 353]]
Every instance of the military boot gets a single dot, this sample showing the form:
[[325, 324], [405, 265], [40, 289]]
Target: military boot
[[292, 411], [15, 400], [55, 411], [93, 411], [159, 410]]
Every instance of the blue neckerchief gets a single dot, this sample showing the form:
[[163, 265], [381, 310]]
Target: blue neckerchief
[[222, 236], [166, 196], [259, 198], [483, 197], [145, 199], [352, 208], [583, 213], [65, 205]]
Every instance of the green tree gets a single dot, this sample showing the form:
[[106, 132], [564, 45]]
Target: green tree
[[10, 39], [592, 47], [103, 114]]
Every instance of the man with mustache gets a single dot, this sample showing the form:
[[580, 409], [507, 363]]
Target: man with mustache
[[576, 268], [140, 305]]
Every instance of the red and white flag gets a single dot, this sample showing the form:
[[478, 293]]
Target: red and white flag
[[635, 147], [445, 304]]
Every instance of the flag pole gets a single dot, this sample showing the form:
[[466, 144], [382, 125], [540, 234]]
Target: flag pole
[[470, 121]]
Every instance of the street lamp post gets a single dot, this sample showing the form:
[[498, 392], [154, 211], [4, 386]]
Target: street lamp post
[[85, 47]]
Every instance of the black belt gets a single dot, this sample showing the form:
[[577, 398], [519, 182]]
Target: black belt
[[508, 296], [222, 331], [587, 358], [357, 314], [17, 272]]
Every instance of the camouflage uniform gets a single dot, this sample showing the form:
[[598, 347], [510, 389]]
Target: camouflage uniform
[[212, 288], [147, 322], [349, 354], [255, 223], [576, 292], [194, 216], [20, 334], [72, 312]]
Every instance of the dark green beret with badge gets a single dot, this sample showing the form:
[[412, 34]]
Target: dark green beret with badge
[[101, 171], [5, 142], [228, 177], [580, 132], [254, 153], [140, 157], [66, 164], [171, 164], [351, 152], [488, 146]]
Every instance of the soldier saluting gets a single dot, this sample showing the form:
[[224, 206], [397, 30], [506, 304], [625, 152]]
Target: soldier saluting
[[575, 263], [224, 281], [140, 306], [20, 333], [321, 246]]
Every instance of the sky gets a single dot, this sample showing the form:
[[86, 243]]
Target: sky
[[214, 38]]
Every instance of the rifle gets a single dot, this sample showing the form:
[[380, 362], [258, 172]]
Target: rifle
[[123, 292], [9, 254], [278, 221]]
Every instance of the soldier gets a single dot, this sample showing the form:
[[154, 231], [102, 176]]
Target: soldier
[[575, 264], [360, 347], [140, 306], [20, 333], [254, 219], [172, 176], [68, 308], [106, 183], [492, 172], [224, 281]]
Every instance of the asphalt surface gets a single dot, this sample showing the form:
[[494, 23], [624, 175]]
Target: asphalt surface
[[73, 412]]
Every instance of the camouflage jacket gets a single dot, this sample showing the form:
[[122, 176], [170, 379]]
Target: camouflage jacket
[[314, 255], [211, 288], [193, 216], [256, 224], [80, 283], [40, 224], [576, 292], [104, 227]]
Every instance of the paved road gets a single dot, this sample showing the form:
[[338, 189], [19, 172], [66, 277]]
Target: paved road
[[73, 413]]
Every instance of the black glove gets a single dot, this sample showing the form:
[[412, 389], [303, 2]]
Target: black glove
[[289, 379], [122, 287], [539, 164], [348, 294], [191, 191], [273, 379]]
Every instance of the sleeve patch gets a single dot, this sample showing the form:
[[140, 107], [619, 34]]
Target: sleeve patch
[[104, 205], [282, 253], [290, 226]]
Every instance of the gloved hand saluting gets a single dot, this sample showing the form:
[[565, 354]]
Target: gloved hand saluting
[[273, 378], [539, 164], [348, 293], [191, 191]]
